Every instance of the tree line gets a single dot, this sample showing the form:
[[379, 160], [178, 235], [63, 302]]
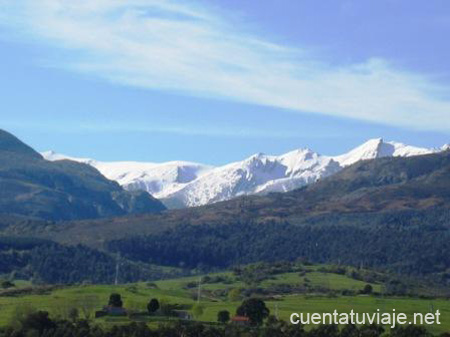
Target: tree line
[[47, 262], [408, 250], [39, 324]]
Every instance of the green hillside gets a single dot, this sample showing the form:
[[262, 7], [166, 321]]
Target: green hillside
[[215, 296], [64, 190]]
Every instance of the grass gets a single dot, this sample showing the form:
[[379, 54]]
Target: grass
[[136, 296], [326, 280], [22, 283]]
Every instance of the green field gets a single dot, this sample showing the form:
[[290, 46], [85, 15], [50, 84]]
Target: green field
[[136, 296]]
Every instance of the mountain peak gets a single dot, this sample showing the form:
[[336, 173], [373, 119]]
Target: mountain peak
[[10, 143], [257, 156], [378, 148], [369, 150], [300, 151], [374, 144]]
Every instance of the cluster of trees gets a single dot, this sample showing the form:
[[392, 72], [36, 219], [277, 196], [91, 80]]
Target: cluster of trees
[[255, 273], [39, 324], [115, 300], [153, 308], [48, 262], [415, 250]]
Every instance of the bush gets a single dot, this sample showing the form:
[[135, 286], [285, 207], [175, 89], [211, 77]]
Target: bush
[[255, 309], [198, 310], [115, 300], [5, 284], [368, 289], [153, 306], [223, 316], [151, 285]]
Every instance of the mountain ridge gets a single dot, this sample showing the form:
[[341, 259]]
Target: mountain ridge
[[369, 193], [11, 144], [185, 184]]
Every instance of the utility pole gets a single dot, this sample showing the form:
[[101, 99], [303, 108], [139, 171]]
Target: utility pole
[[116, 280], [199, 289]]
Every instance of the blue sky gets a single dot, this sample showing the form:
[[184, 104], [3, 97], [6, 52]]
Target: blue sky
[[216, 81]]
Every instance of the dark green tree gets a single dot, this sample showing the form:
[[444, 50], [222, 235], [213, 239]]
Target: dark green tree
[[325, 330], [73, 314], [275, 328], [5, 284], [410, 331], [198, 310], [255, 309], [153, 306], [38, 321], [115, 300], [372, 330], [223, 316], [350, 330], [368, 289]]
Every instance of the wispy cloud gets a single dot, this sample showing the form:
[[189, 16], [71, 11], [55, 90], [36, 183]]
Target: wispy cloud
[[187, 47], [75, 127]]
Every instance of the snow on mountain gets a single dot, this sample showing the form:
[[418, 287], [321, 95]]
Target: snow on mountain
[[182, 184], [53, 156], [257, 174], [159, 179], [377, 148]]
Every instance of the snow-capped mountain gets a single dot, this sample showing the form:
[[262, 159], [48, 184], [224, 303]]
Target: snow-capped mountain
[[257, 174], [377, 148], [159, 179], [182, 184]]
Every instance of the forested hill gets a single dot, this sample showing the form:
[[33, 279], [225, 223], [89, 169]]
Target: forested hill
[[388, 213], [64, 190], [43, 261]]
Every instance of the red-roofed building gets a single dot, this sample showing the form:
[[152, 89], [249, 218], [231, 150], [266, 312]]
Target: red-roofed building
[[240, 320]]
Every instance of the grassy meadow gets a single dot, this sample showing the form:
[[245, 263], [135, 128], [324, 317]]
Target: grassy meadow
[[214, 298]]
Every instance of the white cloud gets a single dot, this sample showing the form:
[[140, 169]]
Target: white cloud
[[182, 46], [77, 127], [190, 130]]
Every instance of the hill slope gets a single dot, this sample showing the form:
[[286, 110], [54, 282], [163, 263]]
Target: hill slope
[[64, 190]]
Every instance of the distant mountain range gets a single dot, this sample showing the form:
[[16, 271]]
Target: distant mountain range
[[391, 213], [184, 184], [31, 186]]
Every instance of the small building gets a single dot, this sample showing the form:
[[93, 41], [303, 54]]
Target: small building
[[240, 320], [182, 314], [111, 311]]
